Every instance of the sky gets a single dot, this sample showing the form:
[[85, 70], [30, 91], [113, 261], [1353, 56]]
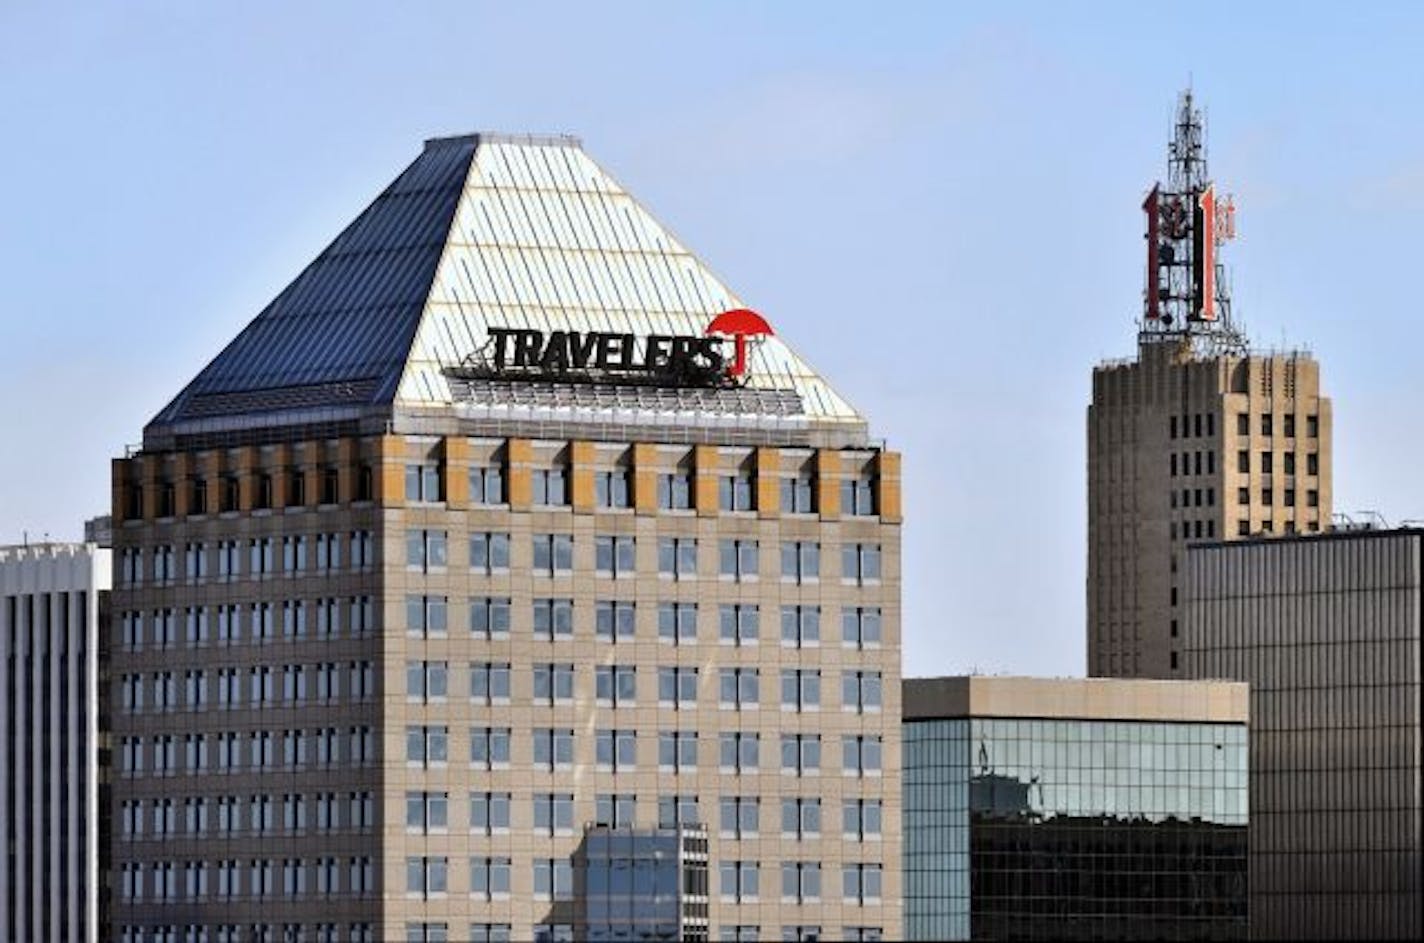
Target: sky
[[937, 204]]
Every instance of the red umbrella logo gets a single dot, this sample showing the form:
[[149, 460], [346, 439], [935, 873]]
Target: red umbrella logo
[[739, 324]]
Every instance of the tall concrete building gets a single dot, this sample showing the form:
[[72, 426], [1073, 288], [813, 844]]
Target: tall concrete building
[[1072, 809], [503, 559], [53, 598], [1327, 631], [1196, 438]]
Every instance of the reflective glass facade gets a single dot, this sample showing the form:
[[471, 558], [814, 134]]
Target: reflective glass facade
[[642, 884], [1073, 829]]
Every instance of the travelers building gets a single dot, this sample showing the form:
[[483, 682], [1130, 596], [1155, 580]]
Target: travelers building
[[53, 599], [1196, 438], [506, 562], [1045, 809], [1327, 631]]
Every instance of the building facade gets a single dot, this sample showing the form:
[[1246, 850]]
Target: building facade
[[1071, 809], [1327, 632], [1194, 439], [475, 545], [53, 598]]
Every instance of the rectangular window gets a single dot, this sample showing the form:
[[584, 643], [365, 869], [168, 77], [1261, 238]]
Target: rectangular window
[[553, 748], [800, 561], [862, 882], [736, 492], [1312, 463], [1312, 426], [677, 751], [675, 491], [614, 620], [426, 680], [677, 622], [426, 876], [490, 880], [861, 691], [550, 487], [614, 556], [740, 816], [860, 755], [1289, 459], [798, 494], [553, 554], [1243, 495], [740, 880], [1312, 498], [800, 626], [858, 495], [489, 812], [860, 563], [677, 686], [801, 754], [800, 689], [860, 627], [489, 617], [553, 619], [615, 685], [738, 752], [1172, 427], [1243, 461], [425, 550], [677, 557], [1267, 496], [554, 684], [738, 624], [800, 881], [422, 482], [553, 879], [615, 750], [611, 489], [617, 810], [427, 746], [554, 813], [677, 811], [330, 486], [426, 615], [489, 682], [426, 812], [1243, 424], [489, 552], [1266, 467], [487, 484], [800, 817], [738, 559]]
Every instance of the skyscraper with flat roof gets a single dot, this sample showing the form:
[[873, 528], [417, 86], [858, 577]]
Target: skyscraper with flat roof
[[1196, 438], [505, 540]]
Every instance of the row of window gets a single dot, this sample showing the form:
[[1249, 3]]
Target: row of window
[[1204, 424], [234, 750], [616, 751], [489, 618], [1204, 463], [258, 814], [429, 932], [266, 685], [225, 494], [223, 560]]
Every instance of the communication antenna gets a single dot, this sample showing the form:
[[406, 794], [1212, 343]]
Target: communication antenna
[[1187, 298]]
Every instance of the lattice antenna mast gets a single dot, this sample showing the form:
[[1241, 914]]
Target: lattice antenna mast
[[1187, 298]]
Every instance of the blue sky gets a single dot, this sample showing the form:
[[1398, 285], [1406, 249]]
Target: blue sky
[[937, 204]]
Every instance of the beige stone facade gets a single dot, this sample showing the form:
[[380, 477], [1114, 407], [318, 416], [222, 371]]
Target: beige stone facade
[[1185, 448], [271, 726]]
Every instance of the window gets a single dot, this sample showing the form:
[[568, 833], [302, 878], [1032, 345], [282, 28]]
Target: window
[[610, 489], [614, 620], [489, 682], [1243, 424], [422, 482], [553, 684], [487, 484], [616, 810], [1172, 461], [860, 627], [860, 691], [1289, 459], [739, 880], [198, 496], [489, 553], [1210, 424], [1312, 426], [675, 491], [427, 746], [798, 494], [800, 881], [553, 619], [738, 559], [677, 811], [677, 750], [800, 626], [553, 554], [230, 493], [677, 687], [614, 556], [553, 933], [1290, 497], [553, 813], [800, 817], [740, 933], [426, 812], [489, 617], [677, 557], [489, 812], [259, 558], [861, 819], [425, 550], [860, 755], [553, 878], [1267, 496], [800, 561], [489, 879], [860, 563], [1312, 463], [553, 747], [858, 495], [330, 486], [425, 615], [736, 492], [740, 816], [800, 689], [738, 624], [1243, 461], [861, 882], [489, 747], [615, 685], [1312, 498], [1266, 463], [677, 622], [1289, 420], [801, 754], [550, 487], [615, 750], [1243, 495], [738, 752], [426, 876], [491, 932], [426, 680]]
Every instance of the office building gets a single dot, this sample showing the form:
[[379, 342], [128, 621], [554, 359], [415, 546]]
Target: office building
[[504, 533], [1196, 438], [1327, 632], [53, 598], [1040, 809]]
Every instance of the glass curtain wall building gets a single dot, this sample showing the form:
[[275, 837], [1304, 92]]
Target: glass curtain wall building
[[503, 522], [1040, 809]]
